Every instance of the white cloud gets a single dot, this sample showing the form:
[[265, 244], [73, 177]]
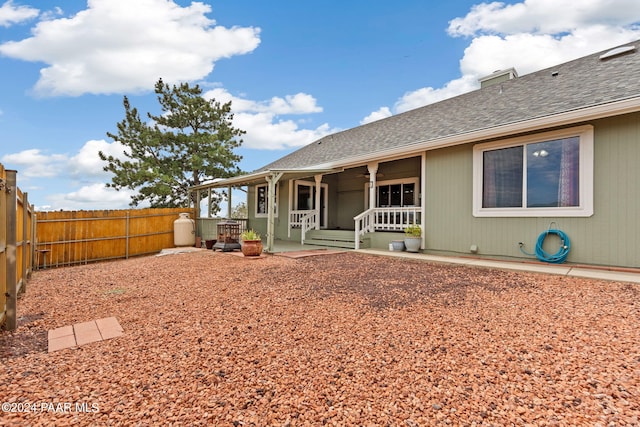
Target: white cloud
[[93, 196], [429, 95], [34, 163], [529, 36], [381, 113], [544, 17], [265, 130], [84, 166], [117, 46], [10, 14], [87, 165]]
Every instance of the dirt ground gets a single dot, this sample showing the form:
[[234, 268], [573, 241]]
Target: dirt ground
[[342, 339]]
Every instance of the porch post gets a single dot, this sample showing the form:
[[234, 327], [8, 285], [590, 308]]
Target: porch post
[[272, 180], [229, 202], [196, 206], [318, 179], [373, 170], [289, 208]]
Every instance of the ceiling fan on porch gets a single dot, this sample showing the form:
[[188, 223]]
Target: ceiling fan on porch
[[368, 175]]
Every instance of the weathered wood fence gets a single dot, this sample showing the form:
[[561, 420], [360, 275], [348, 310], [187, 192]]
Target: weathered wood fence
[[17, 234], [67, 238]]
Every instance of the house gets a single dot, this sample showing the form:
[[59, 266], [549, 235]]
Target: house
[[483, 173]]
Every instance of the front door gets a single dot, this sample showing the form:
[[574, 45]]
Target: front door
[[306, 199]]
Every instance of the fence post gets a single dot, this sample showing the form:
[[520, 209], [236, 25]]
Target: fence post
[[25, 237], [126, 250], [12, 285], [34, 240]]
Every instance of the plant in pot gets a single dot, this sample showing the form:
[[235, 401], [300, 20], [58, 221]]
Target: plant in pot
[[413, 238], [251, 244]]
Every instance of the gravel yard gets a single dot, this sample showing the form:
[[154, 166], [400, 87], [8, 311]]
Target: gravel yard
[[341, 339]]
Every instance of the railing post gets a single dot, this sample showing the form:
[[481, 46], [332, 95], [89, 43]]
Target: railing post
[[357, 240], [11, 274]]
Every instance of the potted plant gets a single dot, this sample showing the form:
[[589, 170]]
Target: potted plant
[[413, 238], [251, 244]]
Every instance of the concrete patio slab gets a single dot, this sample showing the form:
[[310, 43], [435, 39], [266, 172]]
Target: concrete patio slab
[[109, 328], [83, 333], [310, 252], [61, 332], [612, 274], [86, 332], [62, 342], [619, 276]]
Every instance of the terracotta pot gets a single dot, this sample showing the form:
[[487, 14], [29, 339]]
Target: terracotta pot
[[251, 247]]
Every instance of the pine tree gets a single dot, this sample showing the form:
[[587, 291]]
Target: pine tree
[[190, 142]]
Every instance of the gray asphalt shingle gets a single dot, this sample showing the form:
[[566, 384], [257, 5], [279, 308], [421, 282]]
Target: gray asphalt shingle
[[578, 84]]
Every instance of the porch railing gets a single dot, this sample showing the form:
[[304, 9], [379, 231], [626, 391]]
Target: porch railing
[[297, 217], [308, 222], [207, 228], [386, 219]]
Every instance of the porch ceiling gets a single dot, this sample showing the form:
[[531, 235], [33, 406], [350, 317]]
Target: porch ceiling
[[261, 177]]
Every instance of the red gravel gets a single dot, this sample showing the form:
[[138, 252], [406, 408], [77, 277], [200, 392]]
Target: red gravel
[[343, 339]]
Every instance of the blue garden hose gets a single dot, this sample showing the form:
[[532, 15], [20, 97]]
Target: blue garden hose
[[557, 258]]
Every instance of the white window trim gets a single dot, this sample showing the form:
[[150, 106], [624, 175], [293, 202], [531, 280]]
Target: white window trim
[[265, 215], [411, 180], [585, 133], [311, 184]]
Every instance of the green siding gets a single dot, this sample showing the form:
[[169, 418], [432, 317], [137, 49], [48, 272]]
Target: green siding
[[610, 237]]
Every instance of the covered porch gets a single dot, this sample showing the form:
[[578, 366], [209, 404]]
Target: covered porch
[[366, 205]]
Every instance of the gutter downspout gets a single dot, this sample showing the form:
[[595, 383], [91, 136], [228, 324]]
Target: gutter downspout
[[423, 204], [272, 180]]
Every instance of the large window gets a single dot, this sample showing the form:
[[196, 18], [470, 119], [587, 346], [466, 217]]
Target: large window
[[262, 200], [549, 174], [395, 193]]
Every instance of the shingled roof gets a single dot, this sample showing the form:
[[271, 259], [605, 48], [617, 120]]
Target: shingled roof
[[576, 85]]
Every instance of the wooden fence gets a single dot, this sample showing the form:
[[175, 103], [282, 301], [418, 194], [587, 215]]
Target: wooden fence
[[17, 232], [67, 238]]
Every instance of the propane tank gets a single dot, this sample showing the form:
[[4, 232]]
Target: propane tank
[[184, 231]]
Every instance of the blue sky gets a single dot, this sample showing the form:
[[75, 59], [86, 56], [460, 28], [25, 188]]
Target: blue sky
[[294, 70]]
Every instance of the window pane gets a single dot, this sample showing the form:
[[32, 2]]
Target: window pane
[[262, 199], [305, 198], [502, 178], [553, 173], [383, 196], [396, 195], [408, 191], [262, 202]]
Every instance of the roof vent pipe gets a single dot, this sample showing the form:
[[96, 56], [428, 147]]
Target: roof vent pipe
[[498, 77]]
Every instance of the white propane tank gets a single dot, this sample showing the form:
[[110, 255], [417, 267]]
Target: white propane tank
[[184, 231]]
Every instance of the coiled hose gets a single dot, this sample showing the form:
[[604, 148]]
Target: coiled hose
[[557, 258]]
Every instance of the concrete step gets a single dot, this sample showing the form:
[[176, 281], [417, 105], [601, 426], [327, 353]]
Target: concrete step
[[335, 238]]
